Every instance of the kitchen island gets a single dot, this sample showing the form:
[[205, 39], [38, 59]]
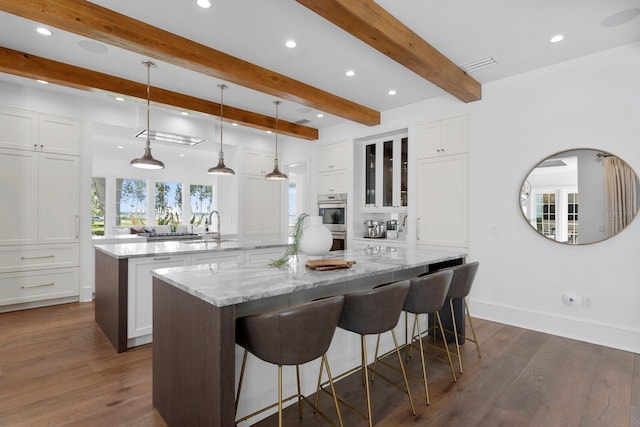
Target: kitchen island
[[195, 310], [123, 303]]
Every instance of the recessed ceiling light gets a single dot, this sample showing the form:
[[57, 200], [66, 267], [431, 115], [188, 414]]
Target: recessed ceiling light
[[291, 44], [205, 4], [119, 98], [557, 38], [620, 18], [120, 147], [184, 113], [320, 115], [350, 73], [234, 124], [392, 92], [93, 46], [43, 31], [44, 82], [181, 155], [268, 131]]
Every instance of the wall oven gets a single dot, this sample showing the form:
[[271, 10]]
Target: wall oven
[[333, 210]]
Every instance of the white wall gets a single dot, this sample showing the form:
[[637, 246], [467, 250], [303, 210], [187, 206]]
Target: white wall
[[591, 102]]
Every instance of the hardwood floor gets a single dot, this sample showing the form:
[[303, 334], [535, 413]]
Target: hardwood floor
[[58, 369]]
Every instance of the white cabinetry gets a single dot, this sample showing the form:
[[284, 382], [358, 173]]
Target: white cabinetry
[[215, 257], [40, 170], [261, 199], [333, 162], [265, 255], [385, 173], [443, 138], [442, 199], [140, 314]]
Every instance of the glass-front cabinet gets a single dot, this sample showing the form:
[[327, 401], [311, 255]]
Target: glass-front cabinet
[[385, 173]]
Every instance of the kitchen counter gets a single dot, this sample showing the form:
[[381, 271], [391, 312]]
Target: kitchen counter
[[237, 283], [195, 308], [145, 249]]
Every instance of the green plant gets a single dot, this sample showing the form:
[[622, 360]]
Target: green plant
[[292, 249]]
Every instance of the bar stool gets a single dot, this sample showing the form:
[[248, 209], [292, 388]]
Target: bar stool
[[292, 336], [427, 295], [463, 277], [373, 312]]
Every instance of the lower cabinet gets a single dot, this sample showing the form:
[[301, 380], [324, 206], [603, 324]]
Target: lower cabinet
[[140, 315], [31, 286], [264, 255]]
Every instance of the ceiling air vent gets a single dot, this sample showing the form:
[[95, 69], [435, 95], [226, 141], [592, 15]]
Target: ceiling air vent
[[479, 64], [303, 122], [170, 137]]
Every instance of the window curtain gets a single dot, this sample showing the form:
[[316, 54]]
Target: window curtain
[[619, 193]]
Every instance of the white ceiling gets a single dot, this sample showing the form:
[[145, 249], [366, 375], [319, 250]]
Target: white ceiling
[[515, 33]]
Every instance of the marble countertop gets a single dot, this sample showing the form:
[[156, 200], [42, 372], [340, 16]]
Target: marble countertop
[[172, 247], [226, 284]]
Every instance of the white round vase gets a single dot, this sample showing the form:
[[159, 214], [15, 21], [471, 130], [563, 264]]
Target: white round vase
[[316, 239]]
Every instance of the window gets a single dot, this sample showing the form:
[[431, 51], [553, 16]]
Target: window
[[572, 217], [131, 201], [546, 214], [201, 199], [98, 190], [168, 203]]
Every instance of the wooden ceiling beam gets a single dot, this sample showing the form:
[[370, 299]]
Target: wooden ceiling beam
[[375, 26], [35, 67], [98, 23]]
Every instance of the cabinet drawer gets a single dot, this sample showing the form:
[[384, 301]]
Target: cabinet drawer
[[18, 288], [38, 257]]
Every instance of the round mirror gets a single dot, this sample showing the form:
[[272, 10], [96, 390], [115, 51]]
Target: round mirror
[[580, 196]]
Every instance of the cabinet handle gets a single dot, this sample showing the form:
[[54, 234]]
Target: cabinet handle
[[164, 258], [37, 257], [36, 286], [77, 225], [417, 228]]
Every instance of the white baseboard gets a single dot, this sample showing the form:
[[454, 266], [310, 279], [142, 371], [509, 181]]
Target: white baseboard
[[606, 334]]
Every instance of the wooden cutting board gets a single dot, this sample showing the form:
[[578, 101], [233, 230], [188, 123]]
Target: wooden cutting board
[[328, 264]]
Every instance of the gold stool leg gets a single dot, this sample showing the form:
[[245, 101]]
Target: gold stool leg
[[333, 391], [299, 394], [244, 364], [473, 332], [424, 366], [446, 347], [365, 372], [404, 374], [455, 333], [280, 395]]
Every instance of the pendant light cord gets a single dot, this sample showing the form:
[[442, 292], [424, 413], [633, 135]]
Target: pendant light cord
[[148, 65], [277, 104], [222, 88]]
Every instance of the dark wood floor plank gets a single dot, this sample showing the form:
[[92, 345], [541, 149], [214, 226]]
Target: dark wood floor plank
[[609, 398]]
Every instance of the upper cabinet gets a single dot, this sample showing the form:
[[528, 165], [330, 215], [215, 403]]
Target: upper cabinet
[[258, 162], [333, 157], [333, 163], [443, 138], [385, 167], [25, 130]]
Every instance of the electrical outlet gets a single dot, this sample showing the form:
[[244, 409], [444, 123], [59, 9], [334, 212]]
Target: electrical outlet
[[587, 302]]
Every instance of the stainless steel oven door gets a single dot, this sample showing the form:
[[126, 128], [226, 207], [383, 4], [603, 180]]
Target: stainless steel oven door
[[333, 210]]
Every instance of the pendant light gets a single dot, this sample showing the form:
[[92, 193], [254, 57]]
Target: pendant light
[[221, 169], [147, 161], [276, 175]]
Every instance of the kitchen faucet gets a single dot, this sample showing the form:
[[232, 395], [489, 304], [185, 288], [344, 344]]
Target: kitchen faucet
[[208, 223]]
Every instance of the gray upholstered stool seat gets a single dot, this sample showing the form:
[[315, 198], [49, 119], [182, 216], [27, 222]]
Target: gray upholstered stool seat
[[373, 312], [427, 295], [292, 336], [461, 282]]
